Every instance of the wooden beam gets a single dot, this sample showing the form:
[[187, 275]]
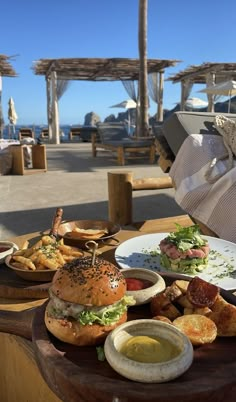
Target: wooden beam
[[152, 183]]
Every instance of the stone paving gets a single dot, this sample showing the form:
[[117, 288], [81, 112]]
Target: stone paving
[[77, 182]]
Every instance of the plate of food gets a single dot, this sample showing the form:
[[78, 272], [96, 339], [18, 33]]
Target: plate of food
[[185, 252], [41, 260], [79, 232]]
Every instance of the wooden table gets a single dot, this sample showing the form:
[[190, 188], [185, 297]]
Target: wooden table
[[20, 379]]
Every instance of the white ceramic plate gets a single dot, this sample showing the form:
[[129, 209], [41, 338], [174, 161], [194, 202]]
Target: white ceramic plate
[[143, 252]]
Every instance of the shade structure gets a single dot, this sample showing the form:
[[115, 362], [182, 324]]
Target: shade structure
[[226, 88], [12, 115], [126, 104], [195, 103]]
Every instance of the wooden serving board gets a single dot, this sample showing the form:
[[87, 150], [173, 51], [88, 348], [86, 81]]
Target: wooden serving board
[[14, 287], [75, 373]]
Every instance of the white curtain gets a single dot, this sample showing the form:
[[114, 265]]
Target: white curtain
[[186, 88], [130, 88], [153, 87], [62, 86]]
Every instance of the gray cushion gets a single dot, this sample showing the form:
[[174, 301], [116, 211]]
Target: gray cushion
[[181, 124], [112, 132]]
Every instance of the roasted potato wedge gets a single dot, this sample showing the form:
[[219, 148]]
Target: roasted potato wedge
[[224, 316], [161, 305]]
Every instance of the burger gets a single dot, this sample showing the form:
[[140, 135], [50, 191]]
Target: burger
[[86, 301], [184, 251]]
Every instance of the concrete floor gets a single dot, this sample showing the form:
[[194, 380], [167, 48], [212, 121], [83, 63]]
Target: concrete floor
[[77, 182]]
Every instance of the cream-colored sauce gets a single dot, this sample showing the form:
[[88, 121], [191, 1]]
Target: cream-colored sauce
[[148, 349]]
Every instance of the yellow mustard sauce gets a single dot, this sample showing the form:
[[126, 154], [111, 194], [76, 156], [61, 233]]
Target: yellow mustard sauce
[[146, 349]]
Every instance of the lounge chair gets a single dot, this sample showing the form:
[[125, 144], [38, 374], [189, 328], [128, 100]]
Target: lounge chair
[[113, 137], [26, 132], [74, 132], [44, 134]]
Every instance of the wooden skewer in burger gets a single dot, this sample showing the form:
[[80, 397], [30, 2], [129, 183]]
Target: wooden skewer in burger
[[87, 301]]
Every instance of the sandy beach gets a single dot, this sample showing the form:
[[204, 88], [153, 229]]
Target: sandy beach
[[77, 182]]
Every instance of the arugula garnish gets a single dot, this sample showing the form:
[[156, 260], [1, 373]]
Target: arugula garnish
[[186, 238]]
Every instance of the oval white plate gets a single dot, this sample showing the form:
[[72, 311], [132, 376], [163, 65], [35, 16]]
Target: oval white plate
[[142, 252]]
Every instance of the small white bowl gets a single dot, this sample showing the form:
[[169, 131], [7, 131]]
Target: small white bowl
[[144, 295], [10, 248], [148, 372]]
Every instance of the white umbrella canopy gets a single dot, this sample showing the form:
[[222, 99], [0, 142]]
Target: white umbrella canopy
[[226, 88], [12, 115], [126, 104], [195, 103]]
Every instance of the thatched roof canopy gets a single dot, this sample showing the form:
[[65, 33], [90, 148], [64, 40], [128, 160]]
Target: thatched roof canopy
[[197, 73], [98, 69], [6, 70]]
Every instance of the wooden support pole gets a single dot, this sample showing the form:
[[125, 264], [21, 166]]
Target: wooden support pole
[[120, 197]]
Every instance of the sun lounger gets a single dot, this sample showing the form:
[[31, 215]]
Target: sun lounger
[[25, 132], [113, 137], [83, 133], [44, 134]]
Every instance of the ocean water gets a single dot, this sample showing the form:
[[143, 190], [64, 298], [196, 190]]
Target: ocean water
[[9, 132]]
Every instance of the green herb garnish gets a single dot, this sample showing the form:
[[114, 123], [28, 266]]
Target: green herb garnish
[[186, 238]]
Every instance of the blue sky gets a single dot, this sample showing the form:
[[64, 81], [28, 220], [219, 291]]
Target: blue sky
[[32, 30]]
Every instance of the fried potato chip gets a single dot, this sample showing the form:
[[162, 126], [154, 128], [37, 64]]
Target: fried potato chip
[[198, 328]]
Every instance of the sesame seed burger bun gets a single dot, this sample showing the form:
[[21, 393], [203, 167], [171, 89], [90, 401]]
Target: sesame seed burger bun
[[79, 282], [78, 285]]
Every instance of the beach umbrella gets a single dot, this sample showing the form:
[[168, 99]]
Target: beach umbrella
[[195, 103], [126, 104], [12, 116], [226, 88]]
